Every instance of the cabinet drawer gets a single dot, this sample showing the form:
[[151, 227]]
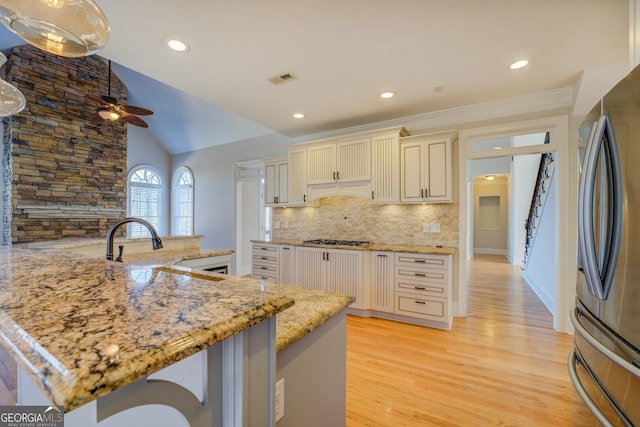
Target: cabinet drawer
[[425, 275], [440, 262], [425, 308], [265, 248], [422, 287], [260, 268], [266, 277], [264, 258]]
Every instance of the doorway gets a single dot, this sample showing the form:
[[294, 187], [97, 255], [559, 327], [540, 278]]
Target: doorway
[[480, 144], [249, 212]]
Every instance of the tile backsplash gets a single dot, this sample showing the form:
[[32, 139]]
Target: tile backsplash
[[354, 218]]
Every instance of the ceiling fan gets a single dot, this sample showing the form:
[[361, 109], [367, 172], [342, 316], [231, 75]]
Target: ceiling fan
[[111, 110]]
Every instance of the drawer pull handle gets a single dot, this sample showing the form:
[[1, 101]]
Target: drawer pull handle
[[382, 255], [419, 302], [285, 248], [264, 249], [420, 274], [420, 261], [419, 288], [263, 257], [264, 268], [263, 278]]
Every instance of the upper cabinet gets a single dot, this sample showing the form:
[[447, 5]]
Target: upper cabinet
[[426, 169], [298, 176], [336, 162], [385, 167], [276, 174]]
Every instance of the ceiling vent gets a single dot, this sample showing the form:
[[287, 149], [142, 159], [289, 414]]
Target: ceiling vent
[[283, 78]]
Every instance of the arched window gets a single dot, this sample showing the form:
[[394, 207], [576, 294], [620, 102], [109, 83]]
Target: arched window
[[145, 188], [182, 201]]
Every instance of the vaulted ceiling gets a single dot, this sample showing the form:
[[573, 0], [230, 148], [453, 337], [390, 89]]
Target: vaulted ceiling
[[435, 54]]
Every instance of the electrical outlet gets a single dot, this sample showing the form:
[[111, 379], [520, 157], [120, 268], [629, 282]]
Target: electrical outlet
[[285, 225], [279, 400], [425, 228], [276, 224], [435, 227]]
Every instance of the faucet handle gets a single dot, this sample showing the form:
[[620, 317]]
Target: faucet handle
[[120, 251]]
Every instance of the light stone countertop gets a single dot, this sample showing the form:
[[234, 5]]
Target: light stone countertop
[[163, 256], [433, 250], [82, 327]]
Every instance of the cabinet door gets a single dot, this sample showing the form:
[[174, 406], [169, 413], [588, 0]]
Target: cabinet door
[[354, 160], [438, 177], [382, 281], [311, 268], [270, 188], [297, 177], [321, 164], [411, 172], [287, 265], [282, 182], [344, 274], [385, 169]]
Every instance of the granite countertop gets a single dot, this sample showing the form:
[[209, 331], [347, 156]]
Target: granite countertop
[[311, 309], [433, 250], [82, 327], [163, 256]]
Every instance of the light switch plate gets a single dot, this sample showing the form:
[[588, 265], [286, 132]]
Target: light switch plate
[[276, 224], [426, 227], [434, 227]]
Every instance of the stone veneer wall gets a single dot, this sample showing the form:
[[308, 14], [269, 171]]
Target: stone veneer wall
[[54, 155], [354, 218]]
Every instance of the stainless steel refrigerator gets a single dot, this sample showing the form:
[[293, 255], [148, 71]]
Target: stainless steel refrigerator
[[605, 363]]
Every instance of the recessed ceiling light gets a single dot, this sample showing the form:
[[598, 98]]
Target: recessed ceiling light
[[519, 64], [490, 177], [176, 45], [298, 116], [388, 94]]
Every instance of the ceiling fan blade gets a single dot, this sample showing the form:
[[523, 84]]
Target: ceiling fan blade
[[98, 100], [95, 117], [134, 120], [138, 111]]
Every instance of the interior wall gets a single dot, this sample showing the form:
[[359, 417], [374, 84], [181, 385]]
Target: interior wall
[[144, 149], [248, 203], [214, 172], [491, 234], [524, 169]]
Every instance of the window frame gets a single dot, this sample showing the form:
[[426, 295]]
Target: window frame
[[175, 204], [160, 188]]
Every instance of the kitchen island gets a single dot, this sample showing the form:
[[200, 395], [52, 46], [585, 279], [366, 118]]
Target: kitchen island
[[98, 338]]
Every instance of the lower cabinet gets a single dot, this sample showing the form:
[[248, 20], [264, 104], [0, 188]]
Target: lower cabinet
[[423, 286], [265, 262], [287, 265], [382, 281], [332, 270]]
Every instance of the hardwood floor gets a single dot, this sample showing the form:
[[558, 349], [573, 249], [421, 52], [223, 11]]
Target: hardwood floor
[[503, 365]]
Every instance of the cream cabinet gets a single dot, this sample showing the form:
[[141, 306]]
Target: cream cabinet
[[423, 287], [336, 162], [276, 173], [287, 264], [426, 169], [382, 285], [297, 158], [265, 262], [385, 167], [333, 270]]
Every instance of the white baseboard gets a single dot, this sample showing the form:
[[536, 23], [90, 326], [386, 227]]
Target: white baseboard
[[540, 292]]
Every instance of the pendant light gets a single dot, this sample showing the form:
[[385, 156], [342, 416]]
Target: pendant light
[[71, 28], [11, 99]]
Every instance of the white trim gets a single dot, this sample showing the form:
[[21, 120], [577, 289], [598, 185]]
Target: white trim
[[174, 186], [559, 132], [161, 188], [490, 251]]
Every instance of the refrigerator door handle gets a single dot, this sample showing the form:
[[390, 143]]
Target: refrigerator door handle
[[582, 392], [600, 282]]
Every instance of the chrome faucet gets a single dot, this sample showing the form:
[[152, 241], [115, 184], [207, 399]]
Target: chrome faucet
[[156, 243]]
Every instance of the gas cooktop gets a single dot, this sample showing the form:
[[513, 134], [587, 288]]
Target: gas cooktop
[[338, 242]]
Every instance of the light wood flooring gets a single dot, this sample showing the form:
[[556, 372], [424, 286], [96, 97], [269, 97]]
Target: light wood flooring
[[502, 365]]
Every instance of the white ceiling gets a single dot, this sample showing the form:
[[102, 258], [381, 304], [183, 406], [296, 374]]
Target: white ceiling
[[344, 53]]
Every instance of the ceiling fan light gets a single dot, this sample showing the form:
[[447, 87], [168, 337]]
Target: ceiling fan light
[[109, 115], [71, 28]]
